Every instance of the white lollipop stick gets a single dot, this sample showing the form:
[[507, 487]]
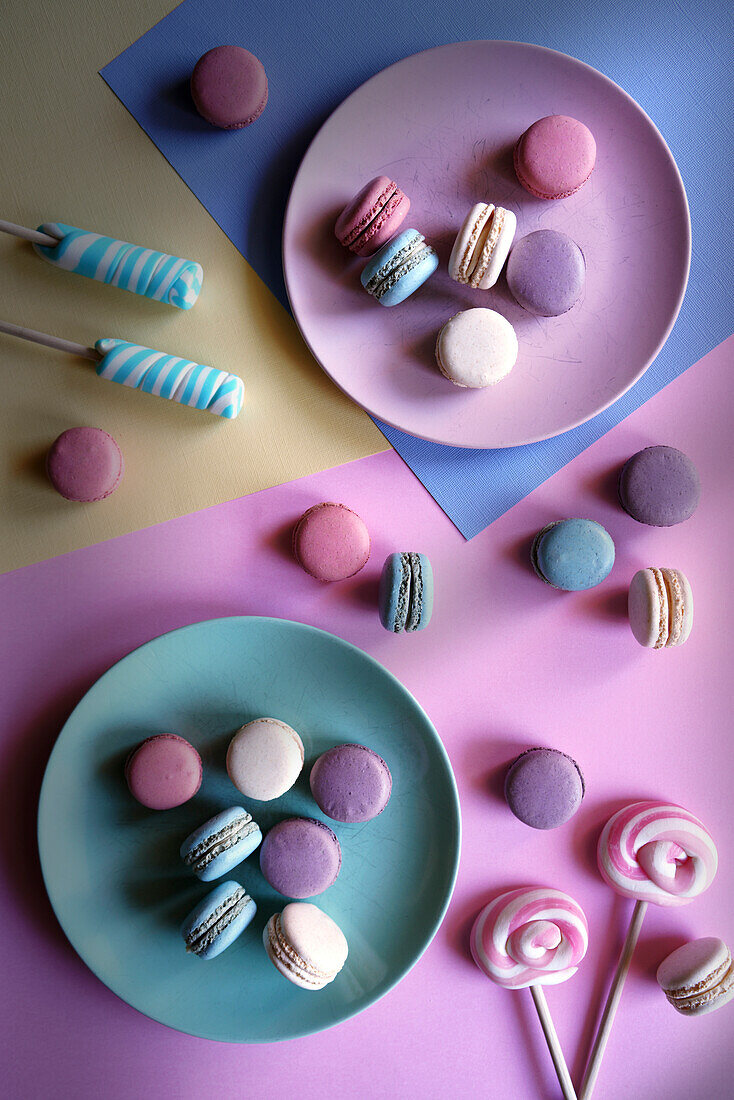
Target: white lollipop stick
[[142, 368], [613, 999], [141, 270], [650, 852], [554, 1046]]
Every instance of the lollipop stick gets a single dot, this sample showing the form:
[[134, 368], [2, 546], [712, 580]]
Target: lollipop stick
[[49, 341], [551, 1038], [28, 234], [610, 1008]]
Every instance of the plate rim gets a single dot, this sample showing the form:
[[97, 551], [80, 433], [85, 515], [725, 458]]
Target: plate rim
[[453, 812], [532, 46]]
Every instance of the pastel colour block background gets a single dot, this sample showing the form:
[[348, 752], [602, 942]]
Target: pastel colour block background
[[505, 663], [70, 152], [642, 49]]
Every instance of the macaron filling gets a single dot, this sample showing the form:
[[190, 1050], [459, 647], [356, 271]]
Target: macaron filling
[[204, 934], [415, 607], [407, 258], [212, 846]]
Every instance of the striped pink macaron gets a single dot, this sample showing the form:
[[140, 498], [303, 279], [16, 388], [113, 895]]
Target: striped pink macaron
[[532, 936], [653, 851], [372, 217]]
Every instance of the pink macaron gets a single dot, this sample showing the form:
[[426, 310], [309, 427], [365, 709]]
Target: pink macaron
[[229, 87], [555, 157], [163, 771], [372, 217], [331, 542], [84, 464]]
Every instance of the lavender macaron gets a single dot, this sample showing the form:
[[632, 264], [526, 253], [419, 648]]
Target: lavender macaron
[[659, 486], [351, 783], [300, 857], [544, 788], [546, 272]]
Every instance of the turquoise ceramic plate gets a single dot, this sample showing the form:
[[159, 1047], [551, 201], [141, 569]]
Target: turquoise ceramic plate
[[111, 867]]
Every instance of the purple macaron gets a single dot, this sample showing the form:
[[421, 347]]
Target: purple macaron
[[300, 857], [546, 272], [544, 788], [229, 87], [659, 486], [351, 783], [84, 464]]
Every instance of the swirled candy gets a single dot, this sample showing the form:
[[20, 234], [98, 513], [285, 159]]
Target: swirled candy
[[169, 376], [652, 851], [141, 270], [534, 936]]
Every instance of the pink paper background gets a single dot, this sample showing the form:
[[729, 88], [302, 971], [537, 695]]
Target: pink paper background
[[506, 663]]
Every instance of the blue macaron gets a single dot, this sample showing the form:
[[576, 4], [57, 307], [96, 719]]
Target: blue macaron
[[399, 268], [573, 554], [218, 920], [221, 843], [406, 592]]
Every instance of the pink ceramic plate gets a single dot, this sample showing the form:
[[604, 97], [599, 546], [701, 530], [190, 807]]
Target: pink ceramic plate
[[443, 123]]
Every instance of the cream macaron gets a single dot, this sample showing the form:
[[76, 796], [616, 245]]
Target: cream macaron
[[698, 977], [660, 607], [305, 945], [265, 758], [476, 348], [482, 245]]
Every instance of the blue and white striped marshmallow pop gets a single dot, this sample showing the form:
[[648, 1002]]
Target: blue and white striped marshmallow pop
[[141, 270], [179, 380]]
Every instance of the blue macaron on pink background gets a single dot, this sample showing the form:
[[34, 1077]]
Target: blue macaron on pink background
[[573, 554]]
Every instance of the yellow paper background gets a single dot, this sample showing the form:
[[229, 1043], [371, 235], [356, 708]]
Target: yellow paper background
[[72, 153]]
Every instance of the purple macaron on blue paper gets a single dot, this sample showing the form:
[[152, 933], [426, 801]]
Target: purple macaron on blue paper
[[247, 195], [221, 843]]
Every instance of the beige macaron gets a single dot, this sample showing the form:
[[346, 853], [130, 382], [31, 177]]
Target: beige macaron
[[482, 246], [660, 607]]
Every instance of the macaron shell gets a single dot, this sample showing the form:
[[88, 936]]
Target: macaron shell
[[219, 899], [421, 592], [464, 254], [698, 977], [84, 464], [394, 592], [659, 486], [476, 348], [314, 936], [680, 606], [544, 788], [300, 857], [546, 273], [647, 608], [164, 771], [331, 542], [555, 157], [233, 854], [229, 87], [573, 554], [265, 758], [351, 783], [490, 266]]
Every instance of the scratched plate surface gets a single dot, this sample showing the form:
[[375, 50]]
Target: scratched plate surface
[[112, 869], [443, 124]]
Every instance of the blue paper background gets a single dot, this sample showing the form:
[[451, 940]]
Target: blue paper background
[[672, 57]]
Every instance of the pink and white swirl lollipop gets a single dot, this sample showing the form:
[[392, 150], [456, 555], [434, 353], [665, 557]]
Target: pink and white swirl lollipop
[[650, 852], [533, 937]]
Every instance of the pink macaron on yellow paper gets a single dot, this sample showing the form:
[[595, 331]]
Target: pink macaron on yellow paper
[[482, 245], [372, 217]]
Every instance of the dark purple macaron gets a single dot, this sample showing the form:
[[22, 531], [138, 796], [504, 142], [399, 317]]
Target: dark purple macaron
[[659, 486], [544, 787], [229, 87], [546, 272], [300, 857], [84, 464], [351, 783]]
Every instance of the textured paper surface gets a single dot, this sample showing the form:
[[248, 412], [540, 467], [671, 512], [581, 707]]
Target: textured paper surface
[[70, 153], [311, 72], [506, 663]]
